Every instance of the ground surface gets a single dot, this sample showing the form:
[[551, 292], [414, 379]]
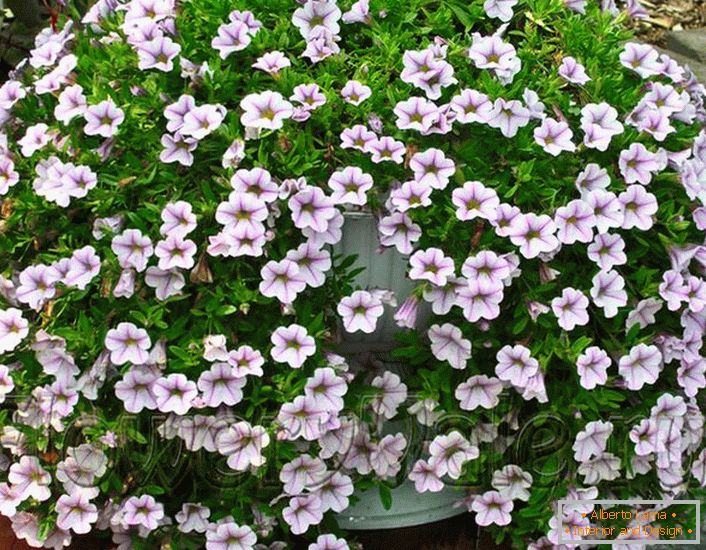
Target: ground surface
[[670, 15]]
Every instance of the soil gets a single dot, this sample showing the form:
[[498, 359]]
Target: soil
[[669, 15]]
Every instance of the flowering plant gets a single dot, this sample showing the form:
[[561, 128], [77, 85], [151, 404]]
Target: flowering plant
[[175, 177]]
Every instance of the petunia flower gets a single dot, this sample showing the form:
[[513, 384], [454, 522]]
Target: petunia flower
[[174, 393], [608, 292], [177, 148], [232, 37], [607, 251], [641, 366], [315, 15], [554, 136], [415, 113], [175, 252], [128, 344], [243, 445], [202, 120], [331, 542], [490, 52], [29, 478], [192, 518], [266, 110], [499, 9], [641, 58], [638, 207], [386, 149], [292, 345], [399, 231], [357, 137], [480, 299], [486, 265], [572, 71], [411, 194], [592, 178], [637, 164], [301, 418], [360, 311], [574, 222], [166, 283], [359, 13], [607, 210], [76, 513], [308, 96], [448, 344], [443, 298], [228, 535], [242, 210], [515, 365], [157, 53], [103, 119], [644, 313], [471, 106], [234, 154], [599, 121], [72, 103], [132, 249], [425, 477], [431, 167], [450, 452], [272, 62], [508, 116], [221, 385], [504, 219], [571, 308], [306, 510], [281, 280], [479, 391], [355, 92], [311, 208], [391, 393], [142, 511], [350, 185], [36, 138], [327, 389], [8, 175], [534, 234], [36, 286], [431, 265], [592, 440]]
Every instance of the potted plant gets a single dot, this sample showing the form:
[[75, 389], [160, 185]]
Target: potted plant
[[200, 343]]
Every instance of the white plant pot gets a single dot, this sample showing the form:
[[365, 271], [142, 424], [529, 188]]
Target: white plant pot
[[409, 508], [383, 270]]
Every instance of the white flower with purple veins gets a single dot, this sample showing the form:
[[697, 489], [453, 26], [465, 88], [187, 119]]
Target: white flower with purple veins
[[266, 110], [592, 366], [607, 209], [309, 96], [479, 391], [313, 262], [479, 299], [246, 361], [228, 535], [243, 445], [36, 138], [220, 385], [641, 58], [641, 366], [84, 265], [490, 52], [572, 71], [355, 92], [242, 209], [175, 393], [192, 518], [143, 511], [234, 154], [637, 164], [448, 344], [29, 478], [350, 185], [592, 178], [292, 345], [79, 180], [431, 265], [392, 392], [76, 513], [534, 234], [696, 294], [605, 467], [177, 148], [311, 208], [486, 265], [133, 249], [281, 280], [8, 175], [571, 308], [175, 112], [512, 482], [103, 119], [425, 477], [386, 149], [431, 167], [608, 292], [232, 37], [592, 440], [607, 251], [664, 98], [516, 365], [358, 137], [673, 289], [178, 219], [7, 384], [202, 120], [471, 106], [499, 9], [415, 113], [508, 116], [449, 453], [475, 200], [644, 313], [166, 283], [574, 222], [304, 511], [656, 123], [554, 136], [443, 298], [256, 182], [326, 389], [399, 231], [304, 472], [315, 15], [72, 103], [175, 252], [10, 499], [158, 53], [599, 121], [360, 311], [272, 62], [638, 207], [37, 286], [411, 194], [10, 93], [128, 344], [330, 542], [302, 418]]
